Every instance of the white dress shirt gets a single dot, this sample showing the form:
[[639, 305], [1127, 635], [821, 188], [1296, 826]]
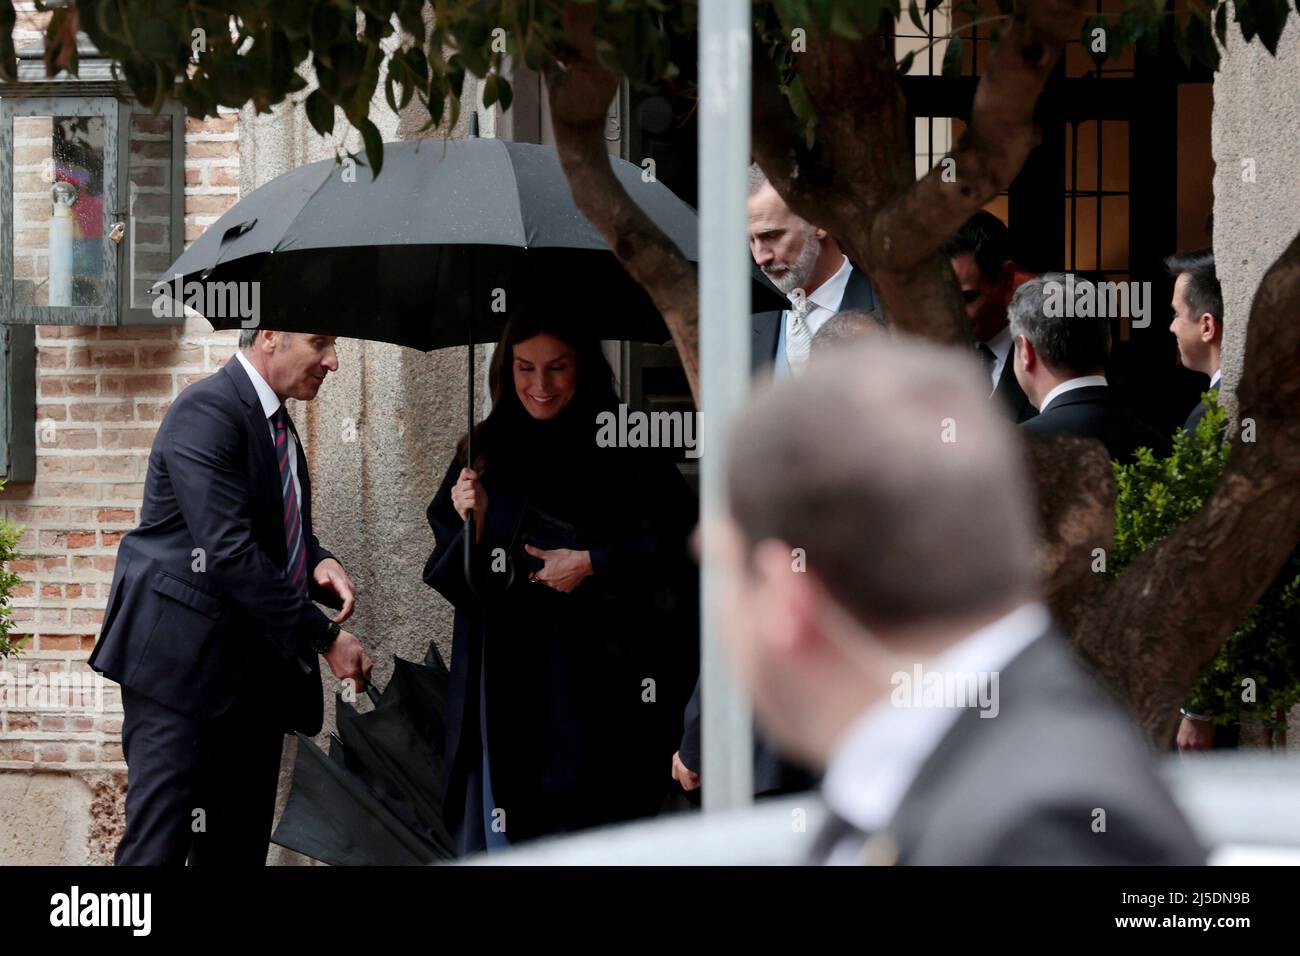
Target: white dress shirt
[[1214, 379], [270, 404], [1083, 381], [1000, 346], [877, 759], [824, 301]]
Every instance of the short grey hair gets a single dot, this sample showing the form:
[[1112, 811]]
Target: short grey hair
[[246, 338], [843, 327], [757, 178], [1067, 343], [909, 501]]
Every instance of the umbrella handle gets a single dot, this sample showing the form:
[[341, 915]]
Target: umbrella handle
[[469, 551]]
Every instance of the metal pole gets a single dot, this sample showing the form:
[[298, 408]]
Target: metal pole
[[724, 72]]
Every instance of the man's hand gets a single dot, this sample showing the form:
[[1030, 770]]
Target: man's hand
[[348, 660], [1195, 735], [563, 569], [688, 778], [330, 575]]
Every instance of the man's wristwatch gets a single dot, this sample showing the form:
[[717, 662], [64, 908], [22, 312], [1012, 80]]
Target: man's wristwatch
[[322, 645]]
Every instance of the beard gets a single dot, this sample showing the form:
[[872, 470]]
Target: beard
[[796, 276]]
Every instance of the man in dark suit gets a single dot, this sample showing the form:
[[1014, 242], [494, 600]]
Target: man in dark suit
[[980, 252], [909, 654], [210, 626], [1059, 360], [1198, 318], [1197, 326], [806, 263]]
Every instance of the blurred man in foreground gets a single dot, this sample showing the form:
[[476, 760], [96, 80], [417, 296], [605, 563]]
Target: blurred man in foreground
[[880, 593]]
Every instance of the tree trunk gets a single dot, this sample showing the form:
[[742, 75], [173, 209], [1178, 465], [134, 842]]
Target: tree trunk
[[580, 90]]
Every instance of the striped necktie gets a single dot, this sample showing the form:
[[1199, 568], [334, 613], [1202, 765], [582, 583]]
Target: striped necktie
[[296, 565]]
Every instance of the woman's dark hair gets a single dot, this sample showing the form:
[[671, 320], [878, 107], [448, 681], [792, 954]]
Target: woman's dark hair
[[595, 385]]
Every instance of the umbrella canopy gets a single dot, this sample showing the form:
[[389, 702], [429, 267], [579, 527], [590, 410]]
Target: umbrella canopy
[[453, 236]]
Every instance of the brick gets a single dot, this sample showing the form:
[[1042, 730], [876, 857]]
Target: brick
[[51, 357], [208, 205], [109, 539], [151, 411], [68, 438], [52, 753], [136, 385], [111, 753], [18, 751], [49, 412], [102, 356], [66, 331], [223, 176], [79, 491], [127, 438], [50, 724], [221, 149], [83, 617], [110, 515], [22, 723], [52, 591], [80, 539], [171, 356], [130, 334], [104, 563], [100, 411], [213, 124]]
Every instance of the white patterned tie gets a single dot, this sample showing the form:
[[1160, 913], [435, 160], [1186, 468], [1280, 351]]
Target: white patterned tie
[[798, 334]]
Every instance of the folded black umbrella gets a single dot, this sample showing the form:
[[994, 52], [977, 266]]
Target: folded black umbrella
[[376, 798]]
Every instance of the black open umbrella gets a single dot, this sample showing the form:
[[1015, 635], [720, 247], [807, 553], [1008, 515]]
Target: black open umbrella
[[376, 798], [451, 238]]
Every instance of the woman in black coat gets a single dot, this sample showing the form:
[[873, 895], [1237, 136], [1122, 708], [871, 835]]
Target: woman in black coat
[[576, 649]]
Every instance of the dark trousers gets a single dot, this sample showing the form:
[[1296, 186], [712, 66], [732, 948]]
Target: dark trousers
[[197, 790]]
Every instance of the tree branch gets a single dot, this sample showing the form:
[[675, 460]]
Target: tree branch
[[993, 147], [579, 90]]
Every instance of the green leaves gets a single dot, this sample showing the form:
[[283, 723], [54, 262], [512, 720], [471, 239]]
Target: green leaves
[[497, 89], [320, 112], [374, 146], [952, 57], [1263, 18]]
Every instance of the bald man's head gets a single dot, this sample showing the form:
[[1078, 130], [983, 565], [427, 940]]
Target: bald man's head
[[898, 481]]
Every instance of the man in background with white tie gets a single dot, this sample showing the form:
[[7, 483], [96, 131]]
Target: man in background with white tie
[[805, 263]]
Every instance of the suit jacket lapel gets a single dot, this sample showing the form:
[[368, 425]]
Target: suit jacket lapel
[[858, 293]]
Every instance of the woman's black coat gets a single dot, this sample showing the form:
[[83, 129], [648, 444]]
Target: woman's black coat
[[582, 693]]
